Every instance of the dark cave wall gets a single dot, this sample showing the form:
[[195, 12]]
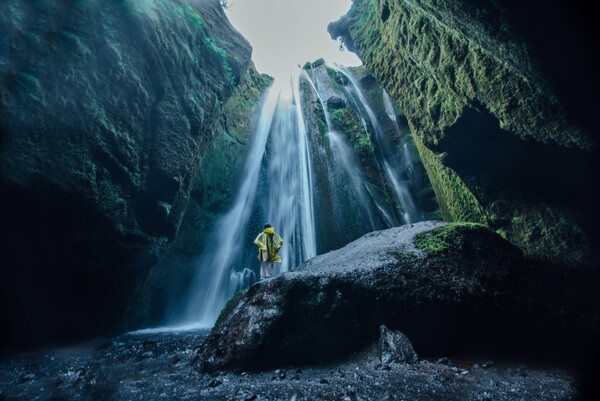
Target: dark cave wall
[[502, 122], [106, 111]]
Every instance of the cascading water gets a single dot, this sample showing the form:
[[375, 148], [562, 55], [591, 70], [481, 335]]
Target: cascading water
[[407, 155], [289, 203], [278, 151], [389, 161], [343, 156], [389, 109], [309, 184]]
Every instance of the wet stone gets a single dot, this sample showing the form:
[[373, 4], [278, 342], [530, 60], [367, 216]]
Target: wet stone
[[246, 397], [214, 383]]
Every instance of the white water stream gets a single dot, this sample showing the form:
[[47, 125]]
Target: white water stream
[[389, 160], [278, 187]]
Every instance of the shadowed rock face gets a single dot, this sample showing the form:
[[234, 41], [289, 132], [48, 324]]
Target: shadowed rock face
[[501, 99], [452, 289], [106, 110]]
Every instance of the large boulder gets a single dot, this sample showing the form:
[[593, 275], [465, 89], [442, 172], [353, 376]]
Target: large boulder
[[106, 110], [451, 289]]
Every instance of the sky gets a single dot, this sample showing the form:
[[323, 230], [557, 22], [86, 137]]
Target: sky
[[288, 33]]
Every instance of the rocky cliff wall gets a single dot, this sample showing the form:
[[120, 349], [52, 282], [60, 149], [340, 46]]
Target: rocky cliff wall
[[489, 91], [106, 111]]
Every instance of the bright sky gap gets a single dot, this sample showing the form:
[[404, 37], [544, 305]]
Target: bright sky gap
[[288, 33]]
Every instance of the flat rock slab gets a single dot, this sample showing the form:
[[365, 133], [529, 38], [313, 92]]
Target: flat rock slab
[[450, 294]]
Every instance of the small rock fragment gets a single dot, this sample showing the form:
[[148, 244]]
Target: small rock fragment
[[395, 347], [214, 383]]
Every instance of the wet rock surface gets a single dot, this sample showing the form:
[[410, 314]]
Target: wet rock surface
[[106, 110], [395, 347], [159, 366], [451, 289], [493, 111]]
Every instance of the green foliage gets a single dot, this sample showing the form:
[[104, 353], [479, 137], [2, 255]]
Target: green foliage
[[404, 258], [332, 74], [445, 239], [436, 60], [455, 68]]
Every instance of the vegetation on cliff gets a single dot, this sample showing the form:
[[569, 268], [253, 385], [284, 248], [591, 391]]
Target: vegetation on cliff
[[106, 110], [495, 130]]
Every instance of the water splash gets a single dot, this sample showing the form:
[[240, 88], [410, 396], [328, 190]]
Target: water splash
[[389, 109], [241, 279]]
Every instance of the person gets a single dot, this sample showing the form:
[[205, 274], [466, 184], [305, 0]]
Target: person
[[269, 243]]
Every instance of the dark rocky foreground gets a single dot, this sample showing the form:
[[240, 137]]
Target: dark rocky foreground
[[160, 367], [451, 292]]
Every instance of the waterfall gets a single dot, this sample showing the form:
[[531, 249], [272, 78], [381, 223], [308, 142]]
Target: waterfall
[[343, 155], [389, 109], [407, 155], [279, 152], [287, 168], [389, 161], [289, 177]]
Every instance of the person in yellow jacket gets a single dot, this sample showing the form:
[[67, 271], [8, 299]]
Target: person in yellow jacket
[[269, 243]]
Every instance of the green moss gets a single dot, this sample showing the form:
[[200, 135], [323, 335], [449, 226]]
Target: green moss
[[404, 258], [435, 65], [438, 58], [194, 18], [222, 54], [457, 202], [322, 124], [346, 121], [332, 74], [445, 239], [502, 232], [546, 235]]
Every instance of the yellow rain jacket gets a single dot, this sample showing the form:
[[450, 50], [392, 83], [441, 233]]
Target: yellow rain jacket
[[270, 242]]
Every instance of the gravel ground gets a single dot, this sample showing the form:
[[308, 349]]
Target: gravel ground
[[159, 366]]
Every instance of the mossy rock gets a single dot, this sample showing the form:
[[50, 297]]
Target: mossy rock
[[450, 238]]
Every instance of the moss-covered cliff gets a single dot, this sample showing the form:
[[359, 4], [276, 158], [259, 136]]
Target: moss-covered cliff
[[352, 192], [502, 139], [106, 111]]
